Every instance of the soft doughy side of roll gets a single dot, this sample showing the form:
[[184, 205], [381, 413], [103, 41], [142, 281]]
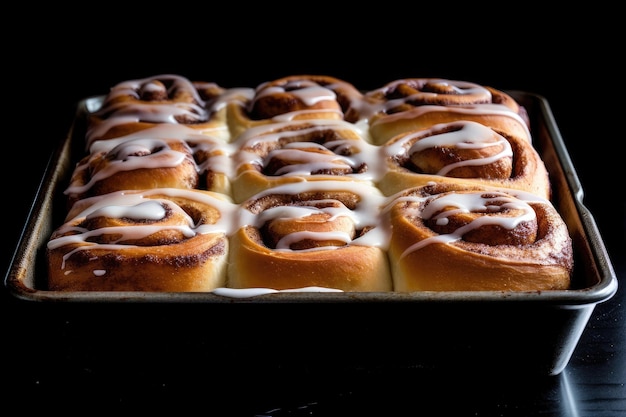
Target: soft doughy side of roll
[[310, 234], [455, 237], [142, 240], [351, 268], [463, 152]]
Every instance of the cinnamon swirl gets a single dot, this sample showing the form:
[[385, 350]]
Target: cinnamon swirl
[[295, 97], [311, 234], [456, 237], [306, 183], [463, 152], [168, 98], [162, 239], [301, 150], [137, 162], [413, 103]]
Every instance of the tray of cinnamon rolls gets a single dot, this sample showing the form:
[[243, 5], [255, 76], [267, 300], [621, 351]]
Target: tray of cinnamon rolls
[[308, 189]]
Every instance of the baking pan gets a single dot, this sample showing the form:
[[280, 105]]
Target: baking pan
[[529, 331]]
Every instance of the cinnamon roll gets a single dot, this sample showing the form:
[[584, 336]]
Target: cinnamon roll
[[458, 237], [300, 150], [413, 103], [168, 98], [162, 239], [463, 152], [295, 97], [311, 234], [137, 162]]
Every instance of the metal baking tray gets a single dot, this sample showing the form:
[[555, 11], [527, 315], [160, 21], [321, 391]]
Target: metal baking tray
[[539, 330]]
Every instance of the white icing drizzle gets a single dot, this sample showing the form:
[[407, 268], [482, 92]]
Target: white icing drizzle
[[475, 99], [158, 131], [140, 206], [218, 150], [218, 158], [238, 95], [467, 203], [147, 210], [310, 93], [132, 88], [252, 292], [371, 212], [306, 163], [284, 244], [94, 133], [155, 112], [133, 155], [470, 135], [283, 213], [194, 111], [468, 90], [299, 211], [310, 162], [276, 130], [470, 110], [366, 214]]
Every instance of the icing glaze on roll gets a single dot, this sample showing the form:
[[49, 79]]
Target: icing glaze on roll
[[497, 209], [462, 151], [297, 97], [287, 232], [272, 154], [467, 111], [459, 237], [143, 240], [145, 205], [253, 292], [138, 104], [133, 155], [428, 91], [305, 183], [412, 103], [468, 144], [150, 99], [301, 199]]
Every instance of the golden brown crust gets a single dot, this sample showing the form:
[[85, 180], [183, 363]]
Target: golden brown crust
[[311, 150], [463, 152], [414, 103], [134, 164], [295, 97], [141, 240], [134, 105], [492, 240], [328, 185], [305, 235]]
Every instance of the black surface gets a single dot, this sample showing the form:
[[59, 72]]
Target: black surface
[[111, 357]]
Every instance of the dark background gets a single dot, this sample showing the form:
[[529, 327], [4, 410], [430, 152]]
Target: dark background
[[53, 357], [54, 62]]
